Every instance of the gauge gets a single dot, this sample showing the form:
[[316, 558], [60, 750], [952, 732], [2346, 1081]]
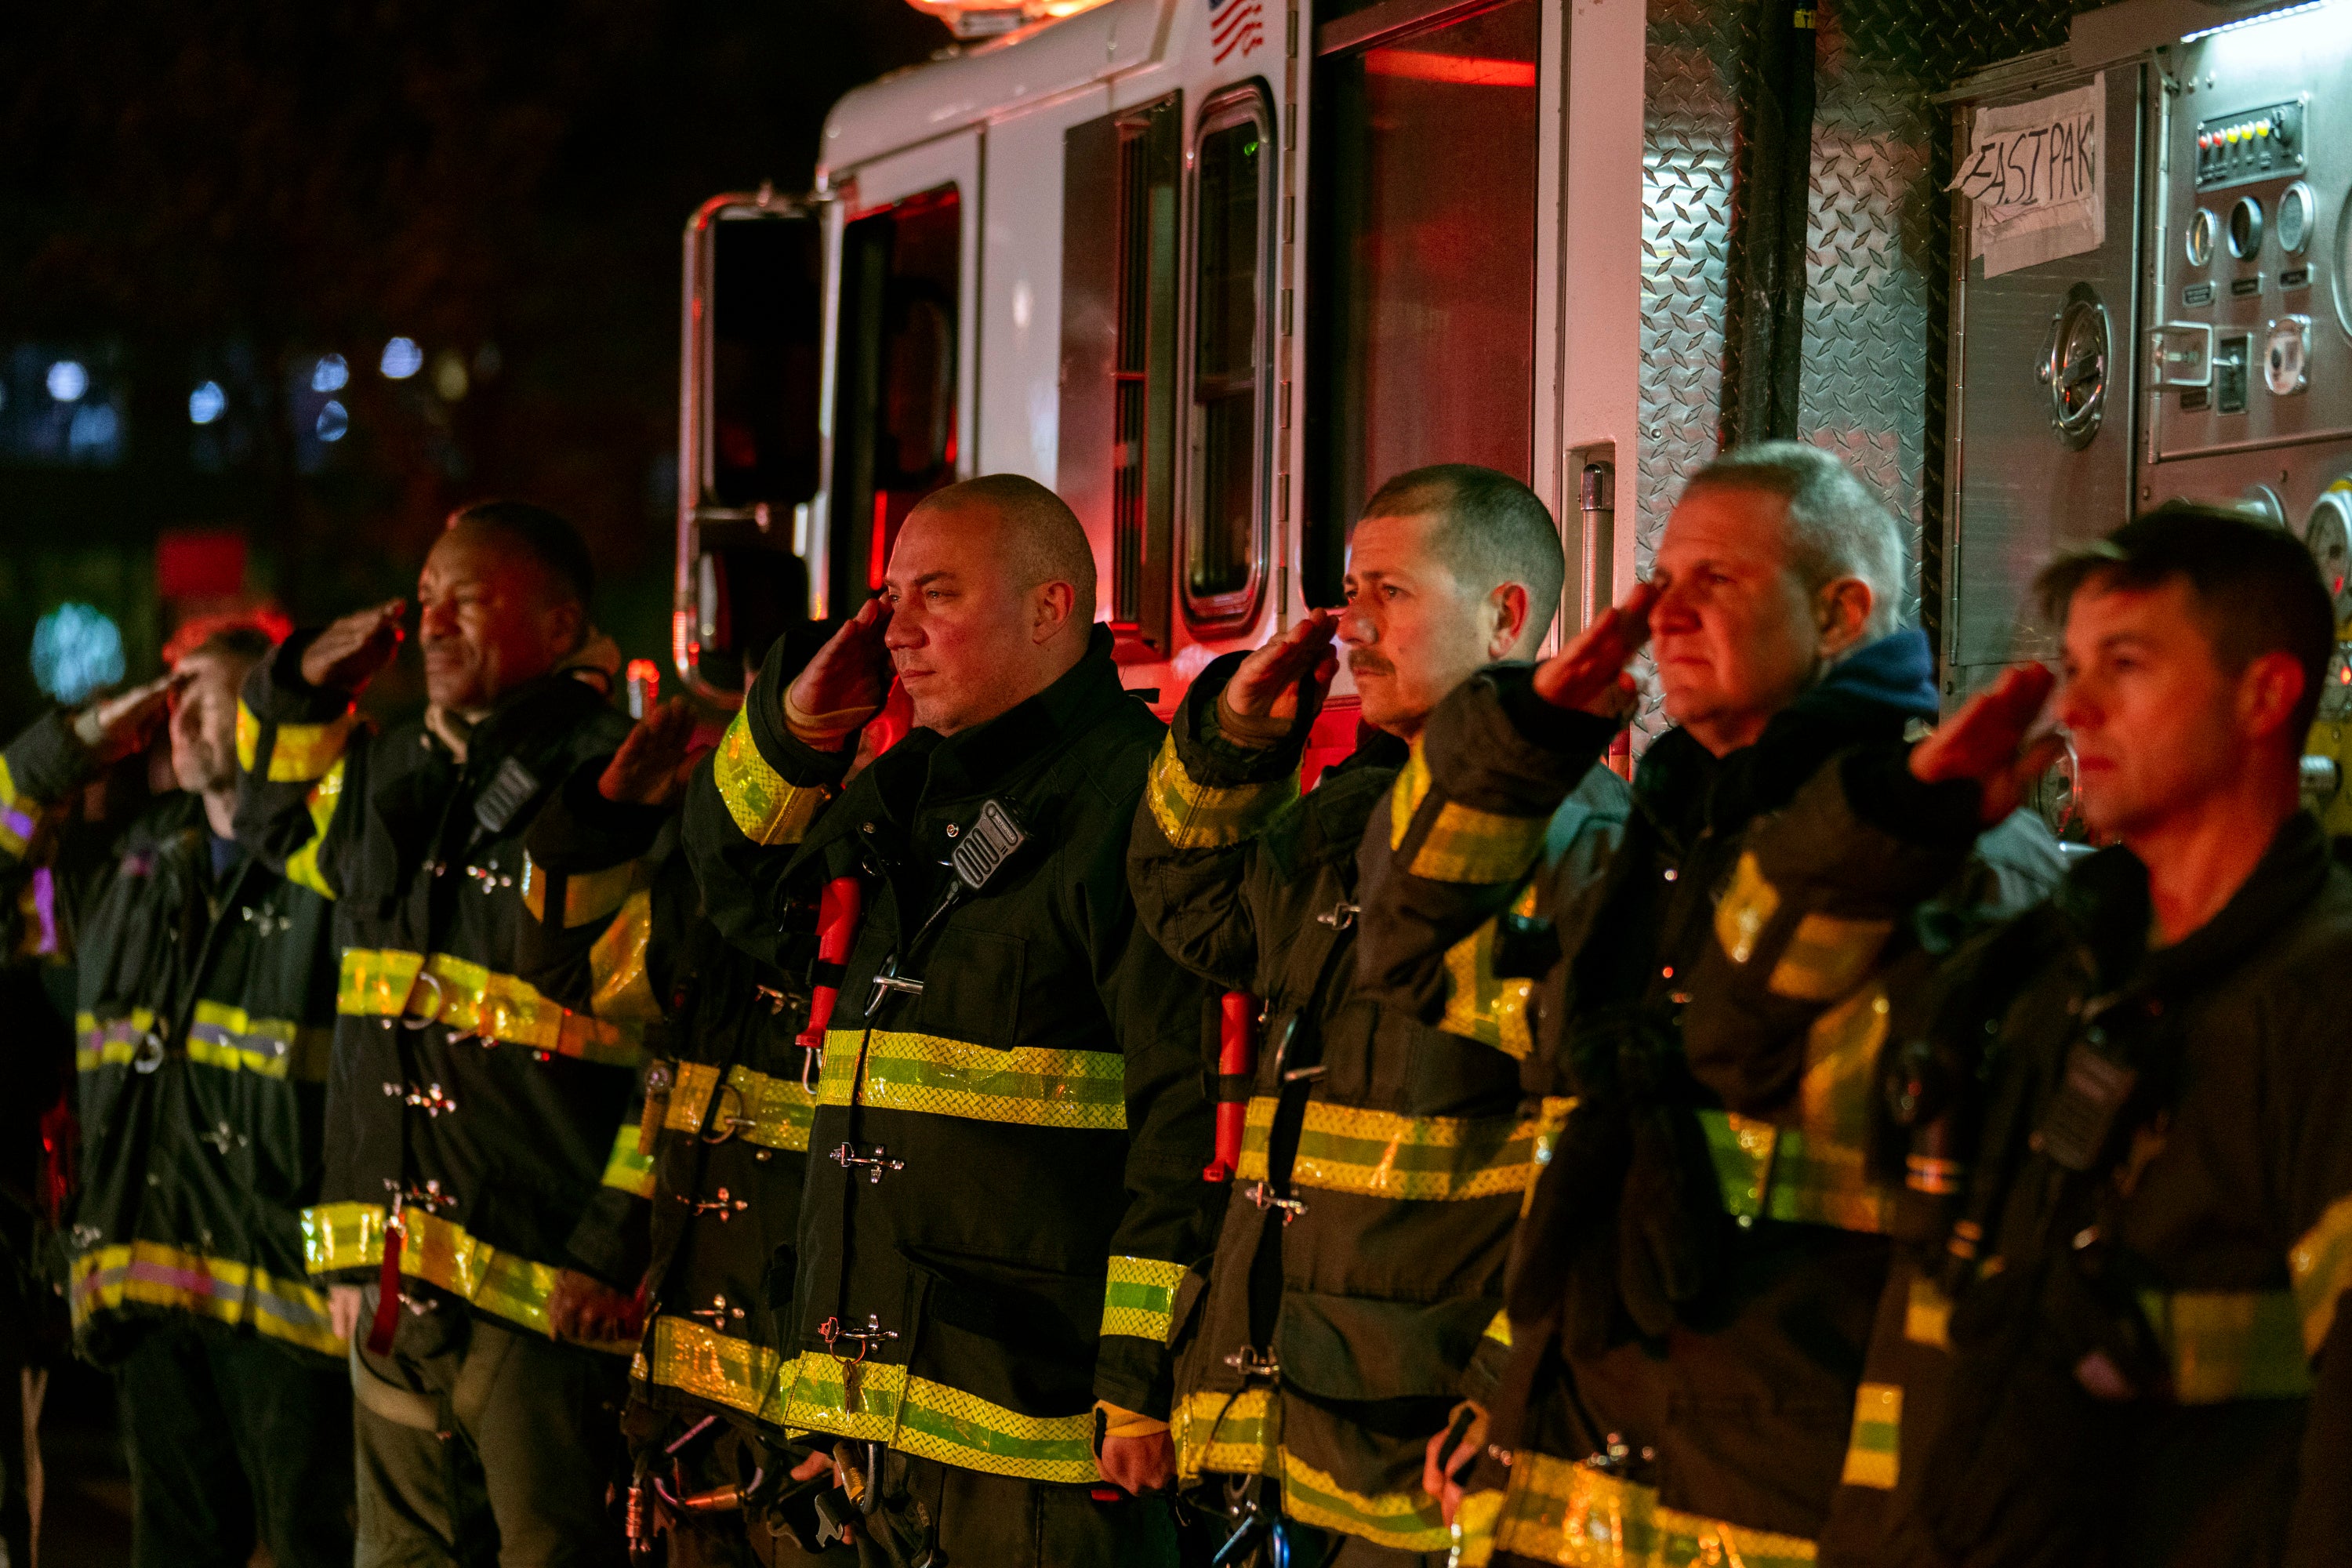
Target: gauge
[[2203, 226], [2341, 286], [2246, 228], [2286, 354], [2074, 367], [2264, 502], [2294, 218], [2327, 534]]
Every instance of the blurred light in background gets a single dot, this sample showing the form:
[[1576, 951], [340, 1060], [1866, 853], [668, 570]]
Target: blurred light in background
[[330, 374], [206, 404], [449, 378], [68, 380], [95, 435], [402, 358], [334, 419], [77, 648]]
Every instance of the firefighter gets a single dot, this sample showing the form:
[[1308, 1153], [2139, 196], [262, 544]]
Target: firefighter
[[2152, 1237], [1005, 1174], [1347, 1293], [207, 1001], [1694, 1286], [481, 1220]]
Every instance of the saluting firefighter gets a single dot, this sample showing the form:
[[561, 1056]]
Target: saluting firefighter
[[2150, 1239], [1382, 1161], [1004, 1182], [1694, 1286], [482, 1200], [206, 985]]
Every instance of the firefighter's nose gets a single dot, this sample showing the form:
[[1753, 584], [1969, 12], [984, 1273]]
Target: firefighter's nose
[[1356, 629]]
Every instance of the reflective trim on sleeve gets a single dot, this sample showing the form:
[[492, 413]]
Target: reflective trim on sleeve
[[1746, 906], [2321, 1267], [1379, 1154], [2230, 1344], [20, 815], [150, 1274], [1204, 816], [626, 1170], [1232, 1432], [1083, 1090], [766, 810], [1408, 1520], [300, 752], [741, 1374], [1474, 1528], [1412, 788], [1874, 1453], [1481, 1006], [302, 868], [1467, 845], [1139, 1298], [1789, 1175], [1827, 957], [752, 1106], [1498, 1329], [1559, 1511], [472, 999], [934, 1421], [622, 992], [587, 895], [433, 1251]]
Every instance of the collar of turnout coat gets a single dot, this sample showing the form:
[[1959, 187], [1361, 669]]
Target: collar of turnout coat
[[1871, 695]]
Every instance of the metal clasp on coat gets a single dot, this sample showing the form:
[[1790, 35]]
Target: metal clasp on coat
[[425, 1019], [430, 1099], [430, 1198], [1262, 1195], [148, 1055], [873, 1333], [847, 1156], [723, 1203], [719, 1312], [722, 1126], [1253, 1367], [1340, 916]]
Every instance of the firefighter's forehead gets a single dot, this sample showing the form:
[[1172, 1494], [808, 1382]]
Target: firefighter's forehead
[[1726, 522], [1387, 546]]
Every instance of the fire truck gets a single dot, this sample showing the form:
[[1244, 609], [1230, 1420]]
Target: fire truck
[[1214, 268]]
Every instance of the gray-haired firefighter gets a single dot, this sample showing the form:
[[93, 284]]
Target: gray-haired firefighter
[[206, 1005], [482, 1209], [728, 1100], [1005, 1176], [1382, 1161], [1695, 1284], [2139, 1090]]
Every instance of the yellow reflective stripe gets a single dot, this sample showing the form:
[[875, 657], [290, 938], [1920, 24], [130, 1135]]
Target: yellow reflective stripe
[[1827, 957], [1790, 1174], [300, 752], [1234, 1433], [20, 816], [738, 1373], [302, 868], [587, 895], [1139, 1297], [620, 989], [113, 1043], [436, 1251], [1408, 1520], [1927, 1314], [624, 1168], [930, 1073], [1380, 1154], [1474, 1528], [1874, 1453], [1746, 907], [2320, 1265], [1498, 1329], [389, 983], [1204, 816], [774, 1111], [1467, 845], [1478, 1005], [2230, 1344], [1405, 796], [1838, 1095], [766, 809], [1559, 1511], [150, 1274], [219, 1035], [934, 1421]]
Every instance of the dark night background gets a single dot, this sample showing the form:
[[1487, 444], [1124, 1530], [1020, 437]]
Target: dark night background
[[199, 193]]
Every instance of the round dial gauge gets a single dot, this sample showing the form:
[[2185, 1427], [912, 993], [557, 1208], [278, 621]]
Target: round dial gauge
[[2327, 534], [2202, 228], [2294, 218], [2246, 228], [2074, 367], [2286, 356]]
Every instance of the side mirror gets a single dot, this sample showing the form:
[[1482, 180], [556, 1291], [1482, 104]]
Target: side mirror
[[750, 451]]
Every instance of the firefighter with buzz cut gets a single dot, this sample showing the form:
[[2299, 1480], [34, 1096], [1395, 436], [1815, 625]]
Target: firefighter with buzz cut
[[482, 1222], [1697, 1284], [1382, 1161], [1004, 1182], [206, 1007]]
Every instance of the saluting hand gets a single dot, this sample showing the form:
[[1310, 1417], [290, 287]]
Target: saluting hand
[[1985, 741], [121, 724], [655, 760], [1590, 673], [351, 651], [1294, 667], [852, 670]]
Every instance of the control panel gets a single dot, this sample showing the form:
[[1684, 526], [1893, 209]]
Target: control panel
[[2259, 144]]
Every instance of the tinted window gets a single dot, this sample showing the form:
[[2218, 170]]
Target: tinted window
[[1228, 392]]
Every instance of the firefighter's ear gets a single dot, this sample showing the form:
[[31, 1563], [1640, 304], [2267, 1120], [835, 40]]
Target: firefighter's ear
[[1507, 620], [1841, 612], [1051, 607]]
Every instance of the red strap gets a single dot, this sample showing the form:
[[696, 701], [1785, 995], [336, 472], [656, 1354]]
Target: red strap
[[387, 1297], [837, 932]]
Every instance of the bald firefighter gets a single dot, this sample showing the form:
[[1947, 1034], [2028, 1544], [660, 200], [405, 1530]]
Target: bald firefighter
[[1004, 1182]]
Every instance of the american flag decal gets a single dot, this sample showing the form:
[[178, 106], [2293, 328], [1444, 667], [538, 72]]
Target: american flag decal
[[1236, 25]]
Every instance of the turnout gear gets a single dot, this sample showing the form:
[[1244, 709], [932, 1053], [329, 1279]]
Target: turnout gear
[[2148, 1360], [1693, 1291], [1380, 1162], [1011, 1119]]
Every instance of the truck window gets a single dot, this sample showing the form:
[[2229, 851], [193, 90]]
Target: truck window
[[1421, 332], [1224, 504], [894, 391]]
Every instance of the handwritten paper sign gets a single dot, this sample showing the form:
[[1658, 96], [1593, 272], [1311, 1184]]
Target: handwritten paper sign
[[2036, 179]]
